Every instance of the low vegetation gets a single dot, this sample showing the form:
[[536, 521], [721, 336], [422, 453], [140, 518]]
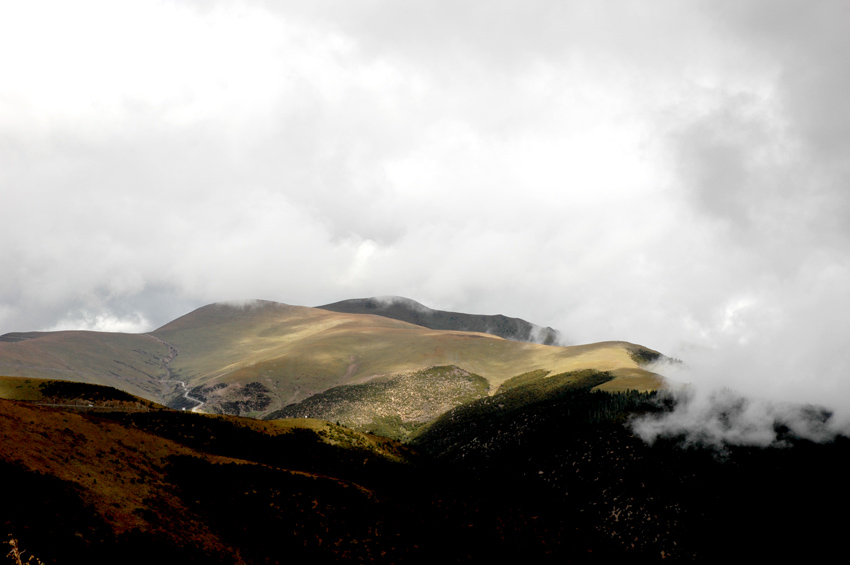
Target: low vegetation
[[395, 407]]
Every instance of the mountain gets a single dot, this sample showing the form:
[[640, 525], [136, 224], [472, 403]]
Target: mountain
[[407, 310], [254, 358], [508, 451]]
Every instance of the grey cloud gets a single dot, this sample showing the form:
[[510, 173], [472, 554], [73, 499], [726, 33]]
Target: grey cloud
[[714, 157], [805, 39], [803, 42]]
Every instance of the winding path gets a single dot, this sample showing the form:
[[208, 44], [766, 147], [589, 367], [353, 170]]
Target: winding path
[[192, 398], [165, 362]]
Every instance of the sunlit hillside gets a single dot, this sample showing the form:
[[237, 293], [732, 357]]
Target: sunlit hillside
[[260, 356]]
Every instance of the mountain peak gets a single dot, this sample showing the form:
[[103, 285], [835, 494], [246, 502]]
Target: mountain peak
[[219, 312]]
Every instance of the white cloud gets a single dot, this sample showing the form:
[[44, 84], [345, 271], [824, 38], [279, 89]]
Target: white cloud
[[102, 322]]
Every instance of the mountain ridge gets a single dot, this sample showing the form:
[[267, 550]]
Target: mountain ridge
[[411, 311]]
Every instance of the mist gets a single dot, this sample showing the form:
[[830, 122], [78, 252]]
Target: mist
[[720, 418], [668, 174]]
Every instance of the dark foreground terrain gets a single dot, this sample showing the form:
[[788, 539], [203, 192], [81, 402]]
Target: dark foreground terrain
[[546, 471]]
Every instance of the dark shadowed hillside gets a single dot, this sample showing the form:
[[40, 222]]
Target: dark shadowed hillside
[[545, 471], [554, 438], [153, 485], [413, 312]]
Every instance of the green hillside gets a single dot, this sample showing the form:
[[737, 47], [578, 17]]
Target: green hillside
[[69, 393]]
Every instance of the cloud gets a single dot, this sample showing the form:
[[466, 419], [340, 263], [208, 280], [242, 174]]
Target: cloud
[[721, 418], [102, 322], [663, 173]]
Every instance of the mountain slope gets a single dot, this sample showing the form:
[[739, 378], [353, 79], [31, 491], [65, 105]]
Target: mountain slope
[[294, 352], [131, 362], [257, 357], [395, 406], [407, 310]]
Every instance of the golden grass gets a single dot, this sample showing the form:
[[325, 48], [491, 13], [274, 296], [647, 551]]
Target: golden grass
[[301, 351], [295, 351], [633, 379]]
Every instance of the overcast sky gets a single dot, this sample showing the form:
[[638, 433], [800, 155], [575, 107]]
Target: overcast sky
[[670, 173]]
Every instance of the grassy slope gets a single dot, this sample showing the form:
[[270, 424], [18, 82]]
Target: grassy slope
[[393, 406], [300, 351], [294, 352], [20, 388], [131, 362], [85, 395]]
